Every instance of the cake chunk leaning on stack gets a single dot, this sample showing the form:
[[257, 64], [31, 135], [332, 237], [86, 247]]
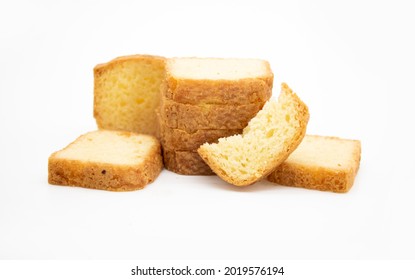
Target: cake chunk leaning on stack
[[204, 99], [270, 137], [320, 163]]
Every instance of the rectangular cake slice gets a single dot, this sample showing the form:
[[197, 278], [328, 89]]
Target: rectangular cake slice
[[321, 163], [218, 80], [185, 163], [180, 140], [192, 117], [107, 160]]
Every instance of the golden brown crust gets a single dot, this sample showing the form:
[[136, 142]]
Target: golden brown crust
[[142, 57], [316, 177], [290, 145], [237, 92], [99, 70], [185, 163], [207, 116], [178, 139], [106, 176]]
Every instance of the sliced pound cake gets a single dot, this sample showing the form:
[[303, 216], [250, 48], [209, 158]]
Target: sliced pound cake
[[218, 80], [207, 116], [270, 137], [178, 139], [107, 160], [127, 93], [186, 163], [320, 163]]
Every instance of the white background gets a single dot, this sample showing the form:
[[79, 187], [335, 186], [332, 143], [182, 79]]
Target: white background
[[351, 62]]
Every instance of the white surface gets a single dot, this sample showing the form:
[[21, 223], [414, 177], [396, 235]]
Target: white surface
[[352, 63]]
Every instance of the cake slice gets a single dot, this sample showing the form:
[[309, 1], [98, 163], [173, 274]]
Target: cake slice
[[107, 160], [127, 92], [320, 163], [270, 137], [207, 116], [178, 139], [218, 81], [185, 163]]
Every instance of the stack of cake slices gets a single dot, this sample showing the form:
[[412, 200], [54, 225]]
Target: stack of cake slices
[[204, 99]]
